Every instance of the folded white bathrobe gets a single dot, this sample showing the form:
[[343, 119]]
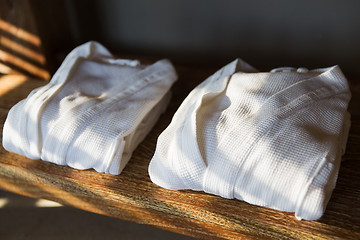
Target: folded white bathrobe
[[93, 113], [273, 139]]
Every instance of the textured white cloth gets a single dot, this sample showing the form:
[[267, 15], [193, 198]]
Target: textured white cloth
[[93, 113], [273, 139]]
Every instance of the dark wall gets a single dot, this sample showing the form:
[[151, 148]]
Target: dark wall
[[265, 33]]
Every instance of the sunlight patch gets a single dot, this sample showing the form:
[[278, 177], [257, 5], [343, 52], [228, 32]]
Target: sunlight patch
[[47, 203]]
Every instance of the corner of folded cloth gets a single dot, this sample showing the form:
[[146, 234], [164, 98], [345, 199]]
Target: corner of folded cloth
[[272, 139], [94, 111]]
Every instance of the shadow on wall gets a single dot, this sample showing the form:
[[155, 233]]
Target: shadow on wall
[[21, 49], [20, 52], [300, 33]]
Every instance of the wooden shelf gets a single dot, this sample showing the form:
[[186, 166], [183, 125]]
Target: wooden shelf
[[132, 196]]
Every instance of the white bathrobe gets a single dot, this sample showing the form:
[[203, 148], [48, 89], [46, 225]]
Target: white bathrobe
[[273, 139], [93, 113]]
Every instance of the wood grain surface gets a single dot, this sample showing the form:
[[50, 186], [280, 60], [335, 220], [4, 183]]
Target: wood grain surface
[[132, 196]]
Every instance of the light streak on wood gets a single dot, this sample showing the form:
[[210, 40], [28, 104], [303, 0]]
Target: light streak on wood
[[27, 52], [22, 64], [20, 33], [7, 86]]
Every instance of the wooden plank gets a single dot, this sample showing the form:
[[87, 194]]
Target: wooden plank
[[132, 196]]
